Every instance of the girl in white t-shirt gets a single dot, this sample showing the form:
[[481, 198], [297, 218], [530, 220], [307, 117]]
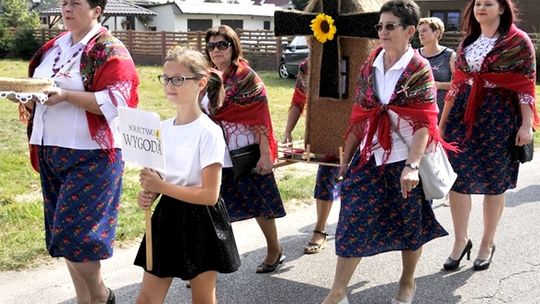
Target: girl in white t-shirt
[[192, 235]]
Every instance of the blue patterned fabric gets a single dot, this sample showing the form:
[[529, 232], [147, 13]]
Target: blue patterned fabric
[[374, 217], [250, 196], [326, 188], [484, 165], [81, 191]]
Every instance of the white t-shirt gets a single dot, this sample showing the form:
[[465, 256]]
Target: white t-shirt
[[385, 86], [191, 147], [65, 124]]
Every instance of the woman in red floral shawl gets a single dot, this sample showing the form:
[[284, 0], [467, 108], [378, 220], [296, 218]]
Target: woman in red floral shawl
[[75, 136], [383, 207], [489, 109], [245, 119]]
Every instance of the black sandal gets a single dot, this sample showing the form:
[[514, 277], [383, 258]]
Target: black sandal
[[265, 268], [312, 248]]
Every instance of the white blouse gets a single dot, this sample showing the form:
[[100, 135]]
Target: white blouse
[[385, 86], [64, 124]]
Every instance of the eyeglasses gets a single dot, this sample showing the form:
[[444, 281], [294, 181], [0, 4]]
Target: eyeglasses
[[388, 27], [176, 80], [221, 45]]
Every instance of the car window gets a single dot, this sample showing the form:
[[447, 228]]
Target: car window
[[299, 42]]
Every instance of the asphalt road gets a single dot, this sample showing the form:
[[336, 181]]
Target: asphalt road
[[514, 276]]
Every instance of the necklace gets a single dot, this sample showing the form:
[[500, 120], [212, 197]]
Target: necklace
[[57, 59]]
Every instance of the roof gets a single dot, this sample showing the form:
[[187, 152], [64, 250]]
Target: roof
[[227, 9], [113, 8]]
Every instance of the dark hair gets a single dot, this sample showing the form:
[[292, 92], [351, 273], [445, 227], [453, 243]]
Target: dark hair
[[215, 90], [472, 28], [96, 3], [230, 35], [407, 11]]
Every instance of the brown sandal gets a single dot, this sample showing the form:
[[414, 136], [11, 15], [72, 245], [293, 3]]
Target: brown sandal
[[312, 248]]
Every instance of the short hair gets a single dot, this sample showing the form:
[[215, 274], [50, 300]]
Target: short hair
[[472, 28], [96, 3], [230, 36], [407, 11], [435, 24]]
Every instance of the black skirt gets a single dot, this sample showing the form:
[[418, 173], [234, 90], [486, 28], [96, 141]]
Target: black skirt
[[190, 239]]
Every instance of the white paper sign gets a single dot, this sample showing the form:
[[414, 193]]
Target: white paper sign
[[141, 138]]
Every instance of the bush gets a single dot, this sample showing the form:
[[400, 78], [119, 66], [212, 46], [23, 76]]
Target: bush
[[25, 44], [5, 42]]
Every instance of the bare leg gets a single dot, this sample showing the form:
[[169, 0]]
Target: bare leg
[[273, 248], [345, 268], [323, 210], [460, 207], [406, 282], [493, 209], [88, 281], [203, 288], [153, 289]]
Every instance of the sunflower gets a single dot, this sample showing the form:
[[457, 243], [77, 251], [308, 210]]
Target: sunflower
[[323, 27]]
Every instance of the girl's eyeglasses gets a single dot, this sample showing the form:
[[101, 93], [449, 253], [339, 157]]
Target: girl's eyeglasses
[[220, 45], [175, 80], [387, 27]]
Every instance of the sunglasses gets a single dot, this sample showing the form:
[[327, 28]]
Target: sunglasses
[[388, 27], [175, 80], [220, 45]]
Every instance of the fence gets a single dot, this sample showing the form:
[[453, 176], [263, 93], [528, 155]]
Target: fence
[[261, 47]]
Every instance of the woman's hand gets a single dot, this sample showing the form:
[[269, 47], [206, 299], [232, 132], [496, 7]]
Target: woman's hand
[[56, 95], [524, 135], [264, 165], [150, 180], [287, 138], [408, 180], [146, 198]]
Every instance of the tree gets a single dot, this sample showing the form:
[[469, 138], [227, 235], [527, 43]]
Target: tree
[[16, 14], [299, 4]]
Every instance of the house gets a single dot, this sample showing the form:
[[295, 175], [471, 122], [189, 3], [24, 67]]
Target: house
[[197, 15], [451, 12]]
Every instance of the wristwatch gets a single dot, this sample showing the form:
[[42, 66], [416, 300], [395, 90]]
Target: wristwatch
[[413, 166]]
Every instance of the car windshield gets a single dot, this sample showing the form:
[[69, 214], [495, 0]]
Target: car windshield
[[299, 41]]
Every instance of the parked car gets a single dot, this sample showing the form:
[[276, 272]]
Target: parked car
[[293, 54]]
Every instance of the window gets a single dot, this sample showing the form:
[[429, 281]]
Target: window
[[234, 24], [199, 24], [451, 19], [266, 25]]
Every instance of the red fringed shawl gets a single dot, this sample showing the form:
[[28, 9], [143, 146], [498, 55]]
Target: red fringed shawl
[[246, 103], [105, 63], [510, 65], [300, 89], [414, 99]]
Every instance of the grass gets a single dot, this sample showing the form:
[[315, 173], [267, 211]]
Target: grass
[[21, 213]]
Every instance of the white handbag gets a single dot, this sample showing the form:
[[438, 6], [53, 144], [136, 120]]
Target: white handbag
[[435, 170], [436, 173]]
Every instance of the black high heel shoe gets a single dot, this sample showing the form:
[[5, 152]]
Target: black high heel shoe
[[484, 264], [452, 264], [265, 268]]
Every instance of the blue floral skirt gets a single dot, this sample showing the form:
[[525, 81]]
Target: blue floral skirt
[[251, 195], [484, 165], [326, 188], [375, 218], [81, 193]]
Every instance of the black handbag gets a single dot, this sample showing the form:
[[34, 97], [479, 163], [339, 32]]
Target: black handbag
[[523, 153], [245, 159]]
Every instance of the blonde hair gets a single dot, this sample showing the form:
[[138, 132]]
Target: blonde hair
[[197, 63], [435, 24], [191, 59]]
